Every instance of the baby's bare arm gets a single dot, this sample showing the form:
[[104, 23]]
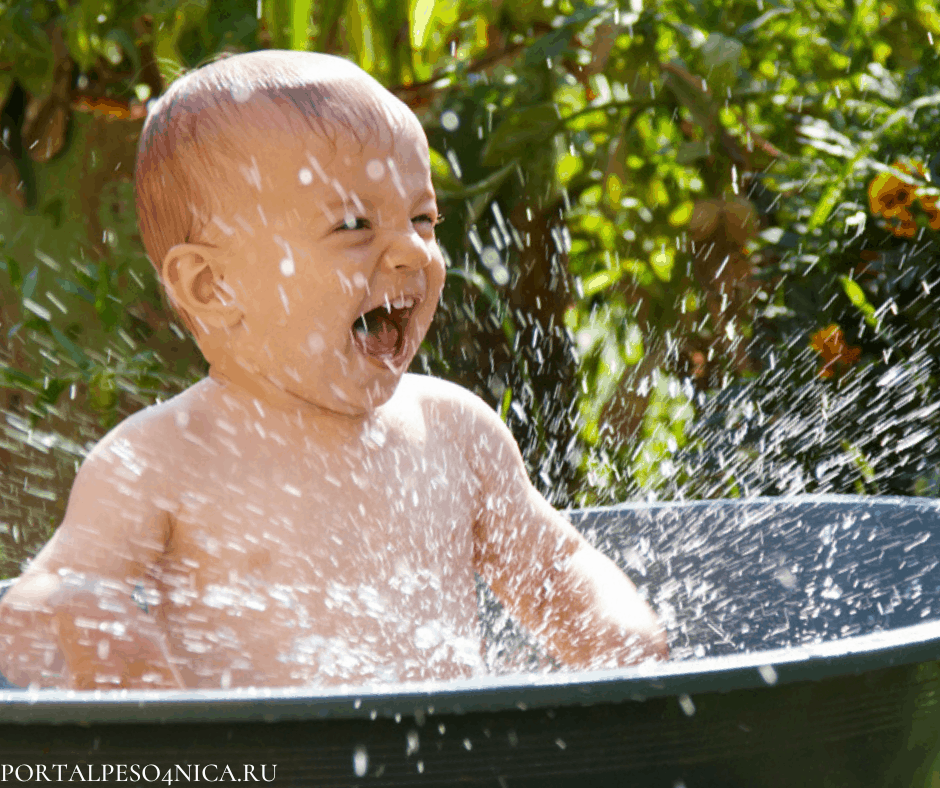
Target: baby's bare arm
[[72, 620], [584, 609]]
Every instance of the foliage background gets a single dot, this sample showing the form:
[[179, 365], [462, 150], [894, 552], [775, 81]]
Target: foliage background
[[692, 245], [669, 269]]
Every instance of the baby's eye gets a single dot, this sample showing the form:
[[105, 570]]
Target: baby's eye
[[354, 223], [426, 218]]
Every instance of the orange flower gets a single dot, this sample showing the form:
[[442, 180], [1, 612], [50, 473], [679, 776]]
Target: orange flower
[[891, 197], [109, 108], [933, 217], [888, 195], [906, 226], [929, 204], [833, 350]]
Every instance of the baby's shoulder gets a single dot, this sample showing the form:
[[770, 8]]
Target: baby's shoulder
[[150, 440], [454, 412], [438, 398]]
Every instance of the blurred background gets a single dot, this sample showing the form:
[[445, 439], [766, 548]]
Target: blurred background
[[692, 245]]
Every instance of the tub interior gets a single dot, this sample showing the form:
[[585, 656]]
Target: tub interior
[[746, 576], [755, 575]]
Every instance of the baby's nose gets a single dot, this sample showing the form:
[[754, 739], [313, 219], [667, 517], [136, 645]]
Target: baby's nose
[[406, 251]]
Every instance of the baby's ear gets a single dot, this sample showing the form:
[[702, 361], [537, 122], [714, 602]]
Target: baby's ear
[[193, 276]]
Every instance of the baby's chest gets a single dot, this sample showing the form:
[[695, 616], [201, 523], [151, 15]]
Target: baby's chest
[[312, 518]]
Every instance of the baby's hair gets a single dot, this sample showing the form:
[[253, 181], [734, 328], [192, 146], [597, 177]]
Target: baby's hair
[[189, 147]]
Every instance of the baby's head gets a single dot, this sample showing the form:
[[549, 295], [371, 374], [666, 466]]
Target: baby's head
[[286, 201]]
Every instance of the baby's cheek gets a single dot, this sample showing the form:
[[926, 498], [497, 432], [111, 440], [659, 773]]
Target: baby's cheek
[[351, 284]]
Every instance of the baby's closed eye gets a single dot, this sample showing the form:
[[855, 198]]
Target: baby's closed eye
[[353, 223], [428, 218]]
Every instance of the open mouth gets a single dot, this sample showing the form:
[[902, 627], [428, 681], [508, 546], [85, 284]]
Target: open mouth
[[380, 332]]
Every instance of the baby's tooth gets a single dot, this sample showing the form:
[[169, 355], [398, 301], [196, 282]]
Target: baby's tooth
[[400, 303]]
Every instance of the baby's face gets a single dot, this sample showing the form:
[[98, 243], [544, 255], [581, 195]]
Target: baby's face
[[330, 252]]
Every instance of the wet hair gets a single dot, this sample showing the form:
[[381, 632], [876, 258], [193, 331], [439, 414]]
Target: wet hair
[[191, 138]]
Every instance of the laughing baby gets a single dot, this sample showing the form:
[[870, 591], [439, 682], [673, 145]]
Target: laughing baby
[[308, 514]]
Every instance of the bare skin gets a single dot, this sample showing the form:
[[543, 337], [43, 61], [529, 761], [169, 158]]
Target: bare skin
[[309, 514]]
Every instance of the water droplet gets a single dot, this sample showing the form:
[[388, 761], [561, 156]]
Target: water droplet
[[375, 169], [786, 578], [428, 636], [360, 761], [688, 707], [454, 163], [413, 744], [287, 266], [501, 275], [305, 176], [450, 120], [768, 674], [374, 437], [315, 342], [241, 92], [490, 257], [833, 592]]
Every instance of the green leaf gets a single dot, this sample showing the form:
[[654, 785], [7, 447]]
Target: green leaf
[[594, 283], [329, 17], [750, 27], [551, 45], [26, 46], [15, 379], [692, 150], [506, 402], [702, 107], [525, 128], [441, 174], [29, 282], [860, 460], [857, 296], [53, 390], [300, 24], [422, 13], [483, 188], [722, 57], [16, 277], [74, 352], [76, 289]]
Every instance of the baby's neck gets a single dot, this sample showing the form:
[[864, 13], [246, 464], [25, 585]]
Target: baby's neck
[[271, 402]]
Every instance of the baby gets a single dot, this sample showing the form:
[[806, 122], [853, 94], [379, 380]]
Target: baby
[[309, 513]]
